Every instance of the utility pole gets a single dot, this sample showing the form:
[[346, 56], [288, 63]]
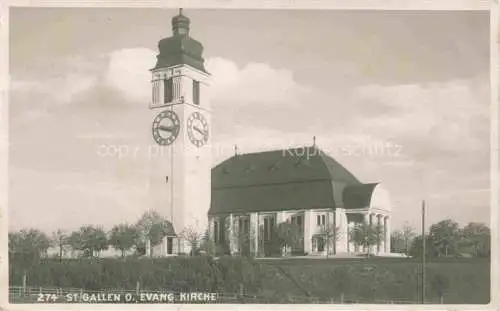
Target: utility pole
[[423, 252]]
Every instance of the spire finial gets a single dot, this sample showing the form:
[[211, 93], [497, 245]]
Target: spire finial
[[314, 141], [235, 150], [180, 11]]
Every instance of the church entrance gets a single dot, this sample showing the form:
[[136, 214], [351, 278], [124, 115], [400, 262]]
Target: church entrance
[[318, 244], [170, 244]]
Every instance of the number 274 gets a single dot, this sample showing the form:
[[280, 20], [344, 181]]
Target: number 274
[[46, 297]]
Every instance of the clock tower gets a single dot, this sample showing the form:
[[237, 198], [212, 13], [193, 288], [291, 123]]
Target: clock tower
[[180, 153]]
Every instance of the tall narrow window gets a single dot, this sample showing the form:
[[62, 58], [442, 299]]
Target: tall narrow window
[[268, 228], [266, 224], [168, 88], [216, 232], [196, 92]]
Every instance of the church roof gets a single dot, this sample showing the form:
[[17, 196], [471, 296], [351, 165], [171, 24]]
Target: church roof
[[358, 196], [298, 178]]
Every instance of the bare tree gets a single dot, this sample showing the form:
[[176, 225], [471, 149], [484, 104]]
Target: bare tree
[[60, 239], [288, 235], [193, 237], [408, 234]]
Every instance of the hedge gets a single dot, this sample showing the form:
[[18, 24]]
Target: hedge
[[465, 280]]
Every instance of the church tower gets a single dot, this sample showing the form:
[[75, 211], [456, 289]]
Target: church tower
[[180, 154]]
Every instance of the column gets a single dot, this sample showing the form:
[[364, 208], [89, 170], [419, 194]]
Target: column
[[154, 87], [308, 219], [280, 217], [331, 222], [177, 87], [185, 87], [254, 233], [341, 222], [157, 91], [387, 235], [235, 229], [382, 236], [230, 232], [368, 221]]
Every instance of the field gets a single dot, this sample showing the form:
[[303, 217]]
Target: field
[[384, 280], [374, 280]]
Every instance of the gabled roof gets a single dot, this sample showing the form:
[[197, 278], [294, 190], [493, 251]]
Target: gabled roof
[[298, 178]]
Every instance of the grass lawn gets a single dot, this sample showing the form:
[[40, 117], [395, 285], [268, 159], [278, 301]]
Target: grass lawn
[[461, 281]]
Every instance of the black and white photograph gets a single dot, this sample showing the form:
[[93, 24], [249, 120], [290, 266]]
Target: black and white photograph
[[266, 155]]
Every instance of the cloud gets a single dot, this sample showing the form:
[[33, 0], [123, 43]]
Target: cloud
[[450, 116], [56, 90], [255, 83], [128, 71]]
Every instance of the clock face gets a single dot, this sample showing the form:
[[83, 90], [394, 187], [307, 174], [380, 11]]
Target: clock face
[[197, 127], [166, 127]]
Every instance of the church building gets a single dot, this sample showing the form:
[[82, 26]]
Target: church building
[[248, 195], [252, 194]]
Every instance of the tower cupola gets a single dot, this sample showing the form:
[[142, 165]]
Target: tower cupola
[[180, 25], [180, 48]]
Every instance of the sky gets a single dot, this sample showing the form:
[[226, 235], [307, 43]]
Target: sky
[[397, 97]]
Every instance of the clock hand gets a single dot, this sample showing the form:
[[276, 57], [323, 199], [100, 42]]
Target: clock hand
[[198, 130], [166, 128]]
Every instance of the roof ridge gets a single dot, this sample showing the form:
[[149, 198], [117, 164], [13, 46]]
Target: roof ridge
[[281, 149]]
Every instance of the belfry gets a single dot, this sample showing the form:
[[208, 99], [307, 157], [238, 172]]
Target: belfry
[[179, 182]]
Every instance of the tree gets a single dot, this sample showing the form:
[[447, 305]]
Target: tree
[[331, 234], [14, 242], [91, 240], [416, 247], [28, 246], [123, 237], [60, 239], [243, 238], [153, 227], [208, 244], [75, 241], [477, 236], [445, 236], [288, 235], [366, 235]]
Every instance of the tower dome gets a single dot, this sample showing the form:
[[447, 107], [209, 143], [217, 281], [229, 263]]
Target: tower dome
[[180, 48]]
